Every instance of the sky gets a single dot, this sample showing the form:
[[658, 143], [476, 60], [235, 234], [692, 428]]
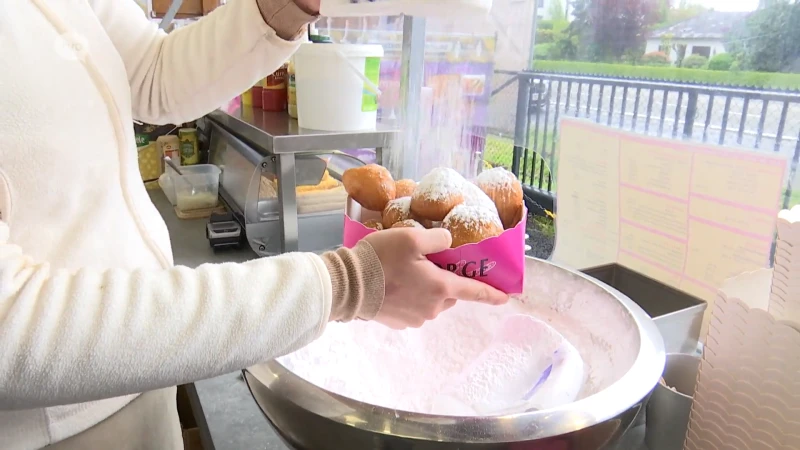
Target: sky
[[728, 5]]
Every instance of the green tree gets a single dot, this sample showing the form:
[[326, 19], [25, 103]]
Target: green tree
[[556, 10], [684, 11], [769, 39], [721, 61], [614, 28], [695, 62]]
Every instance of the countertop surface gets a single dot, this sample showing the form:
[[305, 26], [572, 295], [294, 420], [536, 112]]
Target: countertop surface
[[226, 412]]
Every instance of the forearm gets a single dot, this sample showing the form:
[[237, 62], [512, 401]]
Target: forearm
[[288, 18], [183, 75], [73, 337]]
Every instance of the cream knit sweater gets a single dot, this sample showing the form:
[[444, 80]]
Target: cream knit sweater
[[86, 273]]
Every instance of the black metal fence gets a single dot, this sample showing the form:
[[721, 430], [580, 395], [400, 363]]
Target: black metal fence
[[753, 119]]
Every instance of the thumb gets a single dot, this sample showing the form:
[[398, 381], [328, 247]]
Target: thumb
[[432, 241]]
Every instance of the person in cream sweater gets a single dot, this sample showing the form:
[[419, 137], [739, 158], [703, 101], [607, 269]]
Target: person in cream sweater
[[96, 324]]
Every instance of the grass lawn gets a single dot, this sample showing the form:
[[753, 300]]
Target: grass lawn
[[499, 151]]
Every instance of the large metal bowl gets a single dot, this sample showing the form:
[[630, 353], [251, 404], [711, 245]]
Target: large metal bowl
[[585, 311]]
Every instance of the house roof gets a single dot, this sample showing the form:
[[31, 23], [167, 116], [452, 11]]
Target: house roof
[[709, 25]]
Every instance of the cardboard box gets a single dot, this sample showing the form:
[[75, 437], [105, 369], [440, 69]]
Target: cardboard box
[[189, 8]]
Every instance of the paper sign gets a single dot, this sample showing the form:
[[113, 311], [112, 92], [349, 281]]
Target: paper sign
[[686, 214]]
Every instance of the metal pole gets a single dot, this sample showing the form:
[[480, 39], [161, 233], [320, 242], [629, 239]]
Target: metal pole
[[691, 113], [534, 24], [287, 199], [403, 163], [170, 14], [521, 124]]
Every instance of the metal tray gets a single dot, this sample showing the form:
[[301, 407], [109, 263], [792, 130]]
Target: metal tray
[[678, 316]]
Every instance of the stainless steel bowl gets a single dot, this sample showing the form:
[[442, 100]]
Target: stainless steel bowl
[[309, 417]]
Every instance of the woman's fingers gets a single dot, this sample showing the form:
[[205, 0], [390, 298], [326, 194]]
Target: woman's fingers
[[468, 289], [430, 241]]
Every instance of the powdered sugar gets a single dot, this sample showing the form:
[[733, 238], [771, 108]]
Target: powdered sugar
[[397, 369], [408, 223], [529, 364], [409, 370], [496, 177], [473, 217], [401, 205], [440, 184], [474, 196]]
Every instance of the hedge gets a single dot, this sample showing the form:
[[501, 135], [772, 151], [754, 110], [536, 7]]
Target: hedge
[[721, 61], [769, 80], [694, 62]]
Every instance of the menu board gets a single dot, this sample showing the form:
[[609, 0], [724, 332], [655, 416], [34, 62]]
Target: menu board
[[685, 214]]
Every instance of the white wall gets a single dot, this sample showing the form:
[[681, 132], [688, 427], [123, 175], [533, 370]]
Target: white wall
[[716, 46]]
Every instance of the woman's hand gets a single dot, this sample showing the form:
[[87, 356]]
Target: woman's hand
[[415, 289], [308, 6]]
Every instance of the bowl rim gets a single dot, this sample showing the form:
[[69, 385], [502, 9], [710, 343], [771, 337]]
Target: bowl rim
[[630, 389]]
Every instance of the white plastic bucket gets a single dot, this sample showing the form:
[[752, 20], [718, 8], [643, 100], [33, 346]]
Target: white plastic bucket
[[422, 8], [337, 86]]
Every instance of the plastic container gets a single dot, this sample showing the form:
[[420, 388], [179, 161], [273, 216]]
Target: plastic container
[[498, 261], [337, 86], [422, 8], [166, 185], [197, 188]]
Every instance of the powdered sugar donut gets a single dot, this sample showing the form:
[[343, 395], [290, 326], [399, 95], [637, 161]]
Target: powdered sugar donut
[[396, 210], [505, 191], [374, 224], [474, 196], [372, 186], [404, 187], [471, 224], [425, 222], [437, 194], [409, 223]]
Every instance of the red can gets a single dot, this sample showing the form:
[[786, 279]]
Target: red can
[[273, 95], [257, 92]]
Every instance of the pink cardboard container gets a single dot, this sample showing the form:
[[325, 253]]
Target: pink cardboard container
[[498, 261]]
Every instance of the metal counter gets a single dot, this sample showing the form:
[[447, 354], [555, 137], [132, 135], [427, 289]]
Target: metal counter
[[279, 134]]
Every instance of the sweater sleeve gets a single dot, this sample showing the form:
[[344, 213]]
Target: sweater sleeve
[[76, 336], [183, 75]]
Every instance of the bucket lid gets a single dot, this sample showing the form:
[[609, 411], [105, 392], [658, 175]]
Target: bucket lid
[[354, 50], [320, 39]]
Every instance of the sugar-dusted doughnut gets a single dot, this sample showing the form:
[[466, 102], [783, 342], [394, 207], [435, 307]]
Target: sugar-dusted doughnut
[[372, 223], [396, 210], [372, 186], [505, 191], [425, 222], [474, 196], [408, 223], [404, 187], [437, 194], [471, 224]]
